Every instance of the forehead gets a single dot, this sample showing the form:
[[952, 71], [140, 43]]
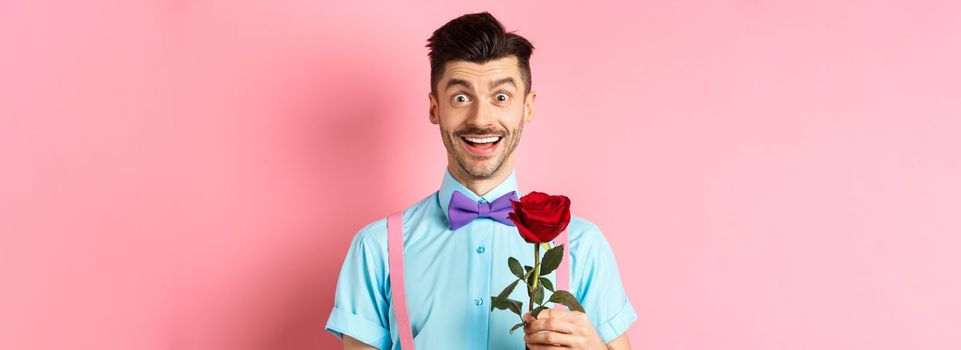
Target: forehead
[[481, 74]]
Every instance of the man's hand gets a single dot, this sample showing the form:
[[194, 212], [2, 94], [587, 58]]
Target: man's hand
[[354, 344], [564, 329]]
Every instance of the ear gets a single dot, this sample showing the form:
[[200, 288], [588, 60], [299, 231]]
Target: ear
[[434, 119], [529, 106]]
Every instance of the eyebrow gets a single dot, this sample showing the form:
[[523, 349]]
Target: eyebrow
[[466, 84]]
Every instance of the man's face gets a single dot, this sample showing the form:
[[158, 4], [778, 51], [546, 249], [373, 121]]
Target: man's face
[[481, 110]]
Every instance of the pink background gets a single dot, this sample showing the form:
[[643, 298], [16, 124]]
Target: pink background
[[771, 175]]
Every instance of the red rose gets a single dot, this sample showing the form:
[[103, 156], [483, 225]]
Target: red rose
[[541, 217]]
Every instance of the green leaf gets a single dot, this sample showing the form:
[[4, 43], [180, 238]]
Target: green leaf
[[500, 298], [539, 295], [537, 310], [516, 326], [498, 304], [565, 298], [515, 306], [527, 276], [552, 259], [547, 284], [515, 267]]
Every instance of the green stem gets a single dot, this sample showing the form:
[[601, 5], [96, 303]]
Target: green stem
[[537, 278], [537, 275]]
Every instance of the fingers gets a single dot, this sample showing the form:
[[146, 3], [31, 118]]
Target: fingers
[[572, 316], [548, 313], [556, 329], [555, 324], [549, 340]]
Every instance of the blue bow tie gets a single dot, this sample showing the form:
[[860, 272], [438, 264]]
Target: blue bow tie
[[462, 210]]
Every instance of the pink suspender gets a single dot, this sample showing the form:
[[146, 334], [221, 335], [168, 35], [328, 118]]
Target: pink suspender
[[395, 251]]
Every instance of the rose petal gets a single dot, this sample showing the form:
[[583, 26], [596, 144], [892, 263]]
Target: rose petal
[[527, 235], [540, 217]]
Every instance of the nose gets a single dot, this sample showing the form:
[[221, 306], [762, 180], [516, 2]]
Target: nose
[[481, 115]]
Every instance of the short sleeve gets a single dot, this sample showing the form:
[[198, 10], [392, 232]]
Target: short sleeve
[[360, 300], [600, 290]]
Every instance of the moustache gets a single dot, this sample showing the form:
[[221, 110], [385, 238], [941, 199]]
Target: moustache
[[480, 132]]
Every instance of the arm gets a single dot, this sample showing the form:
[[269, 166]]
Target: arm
[[354, 344], [596, 283], [360, 311], [619, 343]]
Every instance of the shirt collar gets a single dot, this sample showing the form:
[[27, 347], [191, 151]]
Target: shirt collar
[[450, 184]]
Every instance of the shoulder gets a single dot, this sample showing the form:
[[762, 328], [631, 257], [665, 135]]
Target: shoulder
[[587, 241], [373, 235], [581, 230]]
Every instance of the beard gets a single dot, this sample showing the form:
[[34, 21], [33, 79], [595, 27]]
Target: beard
[[482, 168]]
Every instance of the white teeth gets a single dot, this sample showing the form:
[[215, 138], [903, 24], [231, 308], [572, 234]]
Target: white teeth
[[483, 140]]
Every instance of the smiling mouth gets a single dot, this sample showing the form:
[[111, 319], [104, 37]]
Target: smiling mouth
[[482, 145]]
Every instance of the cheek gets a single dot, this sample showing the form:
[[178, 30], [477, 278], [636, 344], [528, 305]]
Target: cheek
[[513, 116], [455, 120]]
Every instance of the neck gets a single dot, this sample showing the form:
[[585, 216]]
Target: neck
[[480, 186]]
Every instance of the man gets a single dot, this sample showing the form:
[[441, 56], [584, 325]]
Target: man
[[480, 98]]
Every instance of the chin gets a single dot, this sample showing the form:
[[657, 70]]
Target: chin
[[484, 170]]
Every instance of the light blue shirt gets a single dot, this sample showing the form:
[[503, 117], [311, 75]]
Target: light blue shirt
[[451, 276]]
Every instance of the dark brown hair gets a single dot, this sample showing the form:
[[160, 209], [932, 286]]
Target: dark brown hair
[[478, 38]]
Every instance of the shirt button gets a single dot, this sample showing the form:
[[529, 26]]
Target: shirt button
[[478, 301], [480, 249]]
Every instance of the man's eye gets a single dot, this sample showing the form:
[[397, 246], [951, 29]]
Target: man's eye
[[461, 98], [501, 97]]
